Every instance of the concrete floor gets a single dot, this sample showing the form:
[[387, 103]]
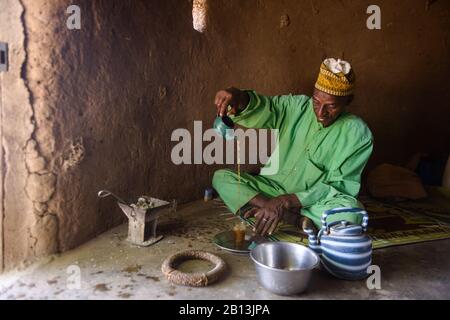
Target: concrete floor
[[112, 269]]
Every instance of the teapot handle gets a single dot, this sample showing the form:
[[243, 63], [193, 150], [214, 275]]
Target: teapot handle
[[363, 212]]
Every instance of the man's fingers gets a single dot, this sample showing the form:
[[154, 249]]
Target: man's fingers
[[218, 109], [250, 213], [265, 221], [224, 106], [266, 227], [217, 100], [259, 218], [273, 226]]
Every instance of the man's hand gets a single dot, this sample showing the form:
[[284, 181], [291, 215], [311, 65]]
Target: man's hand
[[271, 211], [233, 97]]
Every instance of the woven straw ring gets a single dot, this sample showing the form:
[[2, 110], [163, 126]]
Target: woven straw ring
[[193, 279]]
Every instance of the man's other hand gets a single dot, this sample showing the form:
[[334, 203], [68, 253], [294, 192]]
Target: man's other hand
[[269, 215]]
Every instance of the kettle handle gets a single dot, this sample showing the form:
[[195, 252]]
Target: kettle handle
[[363, 212]]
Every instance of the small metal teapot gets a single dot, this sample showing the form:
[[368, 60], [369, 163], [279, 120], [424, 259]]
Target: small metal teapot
[[224, 126], [345, 251]]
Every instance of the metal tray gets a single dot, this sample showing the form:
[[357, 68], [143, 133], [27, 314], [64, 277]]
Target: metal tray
[[225, 240]]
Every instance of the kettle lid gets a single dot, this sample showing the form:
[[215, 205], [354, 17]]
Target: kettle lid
[[345, 228]]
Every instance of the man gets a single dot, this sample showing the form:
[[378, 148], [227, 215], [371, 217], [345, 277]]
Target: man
[[322, 151]]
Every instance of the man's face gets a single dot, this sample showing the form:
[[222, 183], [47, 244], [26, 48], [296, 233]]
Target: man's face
[[328, 107]]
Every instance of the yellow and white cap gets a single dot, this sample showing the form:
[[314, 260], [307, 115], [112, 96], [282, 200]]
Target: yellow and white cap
[[336, 77]]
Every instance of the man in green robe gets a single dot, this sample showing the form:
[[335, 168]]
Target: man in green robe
[[322, 152]]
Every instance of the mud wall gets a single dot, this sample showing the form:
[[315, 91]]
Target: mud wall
[[17, 218], [401, 69], [91, 109], [95, 108]]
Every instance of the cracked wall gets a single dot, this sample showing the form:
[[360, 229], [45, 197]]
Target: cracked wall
[[95, 115], [17, 130], [93, 109]]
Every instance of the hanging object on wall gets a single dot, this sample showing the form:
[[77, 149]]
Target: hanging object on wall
[[199, 15], [3, 57]]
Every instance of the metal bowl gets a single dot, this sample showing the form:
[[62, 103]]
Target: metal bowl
[[284, 268]]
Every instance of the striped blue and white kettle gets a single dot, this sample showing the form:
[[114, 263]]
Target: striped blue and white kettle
[[344, 249]]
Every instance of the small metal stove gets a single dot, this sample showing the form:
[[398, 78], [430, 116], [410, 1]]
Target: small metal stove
[[142, 223]]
